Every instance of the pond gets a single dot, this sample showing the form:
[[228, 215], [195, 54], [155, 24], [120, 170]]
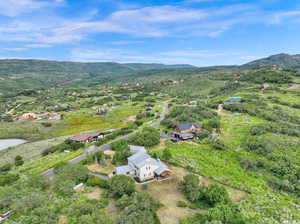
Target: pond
[[6, 143]]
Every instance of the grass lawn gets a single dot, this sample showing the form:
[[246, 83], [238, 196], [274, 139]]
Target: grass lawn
[[106, 170], [84, 121], [37, 166]]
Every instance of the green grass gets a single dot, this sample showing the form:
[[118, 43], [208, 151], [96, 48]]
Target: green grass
[[86, 120], [42, 164], [263, 204]]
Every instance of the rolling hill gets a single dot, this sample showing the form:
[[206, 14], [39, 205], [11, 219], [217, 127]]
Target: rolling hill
[[281, 60]]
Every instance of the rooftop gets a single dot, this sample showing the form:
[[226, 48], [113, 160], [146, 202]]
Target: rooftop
[[187, 126]]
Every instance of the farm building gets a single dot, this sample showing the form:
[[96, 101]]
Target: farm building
[[188, 127], [142, 166], [87, 137]]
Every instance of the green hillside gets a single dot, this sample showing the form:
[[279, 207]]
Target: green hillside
[[281, 60]]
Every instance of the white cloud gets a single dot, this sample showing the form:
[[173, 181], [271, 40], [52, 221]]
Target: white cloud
[[153, 22], [14, 49], [126, 42], [16, 7], [200, 58], [38, 45], [278, 17]]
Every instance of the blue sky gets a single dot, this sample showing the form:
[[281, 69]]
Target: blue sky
[[198, 32]]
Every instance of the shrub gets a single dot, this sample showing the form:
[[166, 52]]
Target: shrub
[[216, 194], [167, 155], [190, 187], [94, 181], [182, 204], [218, 144], [203, 134], [19, 160], [120, 185], [148, 137], [8, 179], [46, 124], [5, 168]]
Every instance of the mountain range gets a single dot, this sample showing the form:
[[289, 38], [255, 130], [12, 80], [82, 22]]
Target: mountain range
[[17, 74]]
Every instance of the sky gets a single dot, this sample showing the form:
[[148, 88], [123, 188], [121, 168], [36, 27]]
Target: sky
[[197, 32]]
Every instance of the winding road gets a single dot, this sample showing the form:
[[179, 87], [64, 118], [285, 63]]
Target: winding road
[[50, 173]]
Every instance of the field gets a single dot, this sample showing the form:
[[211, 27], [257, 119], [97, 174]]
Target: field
[[29, 150]]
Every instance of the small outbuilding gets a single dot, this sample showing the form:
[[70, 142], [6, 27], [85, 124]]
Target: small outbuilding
[[87, 137], [188, 127]]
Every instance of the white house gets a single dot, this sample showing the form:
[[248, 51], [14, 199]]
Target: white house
[[142, 166]]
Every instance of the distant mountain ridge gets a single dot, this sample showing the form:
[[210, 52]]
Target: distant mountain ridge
[[18, 66], [281, 60], [18, 74]]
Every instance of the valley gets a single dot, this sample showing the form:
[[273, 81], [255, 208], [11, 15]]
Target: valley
[[229, 135]]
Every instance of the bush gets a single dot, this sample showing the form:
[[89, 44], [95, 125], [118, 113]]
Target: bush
[[19, 160], [216, 194], [148, 137], [218, 144], [120, 185], [203, 134], [8, 179], [182, 204], [190, 187], [94, 181], [5, 168], [46, 124], [167, 155], [138, 208]]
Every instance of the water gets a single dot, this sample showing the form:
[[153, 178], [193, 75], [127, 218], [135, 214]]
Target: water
[[6, 143]]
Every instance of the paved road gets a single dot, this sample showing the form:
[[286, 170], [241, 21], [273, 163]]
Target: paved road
[[50, 173]]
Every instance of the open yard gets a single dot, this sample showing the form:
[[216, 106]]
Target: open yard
[[167, 193], [106, 170]]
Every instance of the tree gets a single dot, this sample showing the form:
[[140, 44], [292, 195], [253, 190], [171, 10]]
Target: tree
[[190, 187], [19, 160], [45, 215], [139, 208], [74, 172], [100, 157], [216, 194], [120, 145], [148, 137], [120, 185], [203, 134], [167, 155]]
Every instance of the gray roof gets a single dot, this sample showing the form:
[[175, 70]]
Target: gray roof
[[184, 135], [123, 169], [187, 126], [135, 149], [138, 158]]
